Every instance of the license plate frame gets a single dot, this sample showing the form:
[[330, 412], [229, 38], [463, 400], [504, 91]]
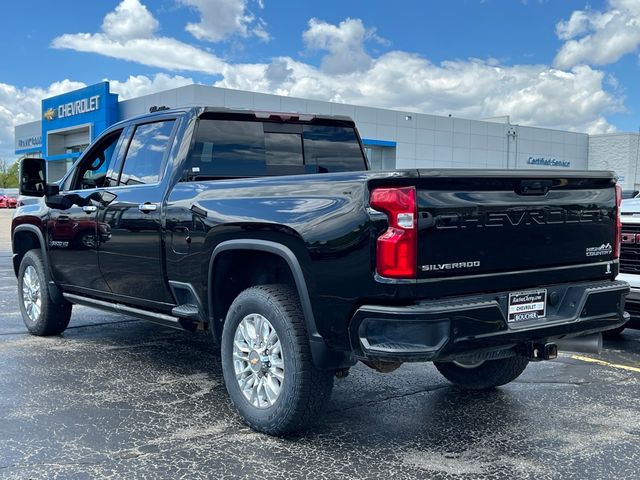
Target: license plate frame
[[527, 305]]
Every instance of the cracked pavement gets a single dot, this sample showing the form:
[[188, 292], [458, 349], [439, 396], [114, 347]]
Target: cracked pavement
[[115, 397]]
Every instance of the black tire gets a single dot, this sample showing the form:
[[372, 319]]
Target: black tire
[[53, 318], [615, 333], [305, 390], [488, 374]]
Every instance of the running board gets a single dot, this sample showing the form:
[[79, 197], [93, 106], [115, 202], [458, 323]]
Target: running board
[[159, 318]]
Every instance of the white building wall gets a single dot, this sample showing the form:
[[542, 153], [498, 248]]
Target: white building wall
[[617, 152], [422, 141], [26, 131], [534, 143]]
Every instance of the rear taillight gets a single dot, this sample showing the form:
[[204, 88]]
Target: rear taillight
[[397, 247], [616, 245]]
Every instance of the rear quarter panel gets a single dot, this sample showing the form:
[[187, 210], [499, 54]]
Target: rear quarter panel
[[322, 219]]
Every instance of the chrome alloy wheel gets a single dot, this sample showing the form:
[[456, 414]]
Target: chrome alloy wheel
[[31, 295], [258, 360], [467, 364]]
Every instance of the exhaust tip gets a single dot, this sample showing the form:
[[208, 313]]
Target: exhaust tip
[[583, 344]]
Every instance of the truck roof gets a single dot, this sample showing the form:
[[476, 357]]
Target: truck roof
[[258, 114]]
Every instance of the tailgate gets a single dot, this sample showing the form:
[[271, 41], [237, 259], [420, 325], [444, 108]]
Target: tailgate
[[487, 222]]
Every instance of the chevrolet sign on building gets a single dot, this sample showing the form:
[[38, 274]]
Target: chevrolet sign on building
[[73, 108], [85, 105], [49, 114], [71, 121]]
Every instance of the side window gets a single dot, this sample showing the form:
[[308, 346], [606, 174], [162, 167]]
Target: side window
[[333, 148], [146, 152], [92, 170]]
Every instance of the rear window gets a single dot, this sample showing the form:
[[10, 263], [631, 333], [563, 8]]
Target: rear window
[[333, 149], [232, 148]]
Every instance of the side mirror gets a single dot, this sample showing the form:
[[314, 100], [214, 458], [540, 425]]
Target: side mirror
[[59, 202], [33, 177]]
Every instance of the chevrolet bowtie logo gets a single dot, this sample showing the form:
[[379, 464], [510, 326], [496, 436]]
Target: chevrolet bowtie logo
[[50, 114]]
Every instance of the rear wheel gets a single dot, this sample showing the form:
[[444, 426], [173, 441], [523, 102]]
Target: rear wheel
[[483, 375], [266, 362], [41, 315]]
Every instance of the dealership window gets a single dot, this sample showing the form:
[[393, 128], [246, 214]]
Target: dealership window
[[68, 140], [77, 148], [381, 158]]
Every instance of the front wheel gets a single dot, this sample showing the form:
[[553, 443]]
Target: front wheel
[[266, 362], [483, 375], [41, 315]]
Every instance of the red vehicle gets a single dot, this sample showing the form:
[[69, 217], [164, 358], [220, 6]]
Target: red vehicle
[[7, 201]]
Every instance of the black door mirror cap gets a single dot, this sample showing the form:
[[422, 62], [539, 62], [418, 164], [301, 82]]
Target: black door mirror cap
[[51, 189], [33, 177], [59, 202]]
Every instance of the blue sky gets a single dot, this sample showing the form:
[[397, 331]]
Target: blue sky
[[560, 64]]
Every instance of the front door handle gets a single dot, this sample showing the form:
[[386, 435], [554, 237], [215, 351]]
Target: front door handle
[[147, 207], [89, 208]]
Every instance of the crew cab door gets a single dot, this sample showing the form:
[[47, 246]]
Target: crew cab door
[[74, 235], [132, 262]]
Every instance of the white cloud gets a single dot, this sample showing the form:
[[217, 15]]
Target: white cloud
[[138, 85], [22, 105], [574, 98], [530, 94], [579, 23], [344, 44], [221, 19], [129, 20], [599, 37], [128, 34]]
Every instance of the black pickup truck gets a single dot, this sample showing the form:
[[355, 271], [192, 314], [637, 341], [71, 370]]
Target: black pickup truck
[[269, 231]]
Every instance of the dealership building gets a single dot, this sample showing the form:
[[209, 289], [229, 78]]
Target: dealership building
[[392, 138]]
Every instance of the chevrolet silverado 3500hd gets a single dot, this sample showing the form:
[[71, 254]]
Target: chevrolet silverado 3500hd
[[269, 231]]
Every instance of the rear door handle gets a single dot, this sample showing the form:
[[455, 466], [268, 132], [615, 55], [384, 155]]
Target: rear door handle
[[89, 208], [147, 207]]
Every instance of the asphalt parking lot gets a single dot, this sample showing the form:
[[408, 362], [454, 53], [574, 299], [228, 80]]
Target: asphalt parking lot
[[120, 398]]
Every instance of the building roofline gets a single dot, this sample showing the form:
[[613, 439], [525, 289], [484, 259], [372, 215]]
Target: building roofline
[[615, 134]]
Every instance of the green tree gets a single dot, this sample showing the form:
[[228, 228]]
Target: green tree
[[8, 173]]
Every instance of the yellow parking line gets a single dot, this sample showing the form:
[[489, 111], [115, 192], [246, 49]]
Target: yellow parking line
[[606, 364]]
